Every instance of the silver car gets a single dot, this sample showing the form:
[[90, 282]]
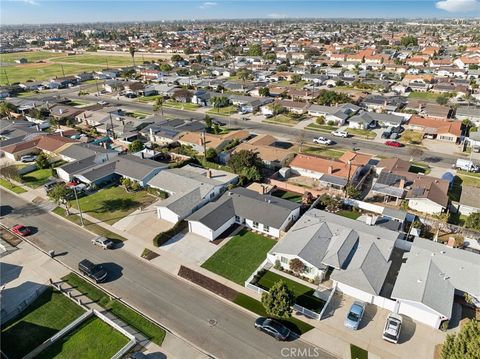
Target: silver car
[[393, 327], [355, 315], [103, 242]]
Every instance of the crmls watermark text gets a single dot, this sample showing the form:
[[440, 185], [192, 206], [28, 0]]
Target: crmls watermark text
[[301, 352]]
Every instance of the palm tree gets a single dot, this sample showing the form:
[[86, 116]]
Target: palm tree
[[132, 51], [158, 105]]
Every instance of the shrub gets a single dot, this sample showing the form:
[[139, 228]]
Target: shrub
[[277, 265], [163, 237], [321, 120], [331, 123]]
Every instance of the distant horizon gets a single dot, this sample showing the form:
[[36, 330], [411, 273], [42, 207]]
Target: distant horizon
[[51, 12]]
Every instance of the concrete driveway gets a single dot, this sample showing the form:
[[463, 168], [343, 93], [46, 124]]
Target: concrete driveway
[[191, 247], [416, 341]]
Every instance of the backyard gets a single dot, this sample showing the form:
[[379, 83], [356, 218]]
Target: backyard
[[152, 331], [91, 340], [291, 196], [237, 259], [303, 294], [349, 214], [114, 203], [46, 316], [429, 96]]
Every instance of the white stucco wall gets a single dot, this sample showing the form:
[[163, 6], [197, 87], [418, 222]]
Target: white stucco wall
[[167, 215], [306, 173], [425, 206], [355, 293], [420, 313]]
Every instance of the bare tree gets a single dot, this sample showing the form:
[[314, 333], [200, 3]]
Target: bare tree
[[9, 171], [300, 140]]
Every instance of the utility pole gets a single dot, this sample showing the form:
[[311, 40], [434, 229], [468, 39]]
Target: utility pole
[[96, 83], [6, 76], [78, 206], [111, 125], [204, 143], [63, 71], [107, 63]]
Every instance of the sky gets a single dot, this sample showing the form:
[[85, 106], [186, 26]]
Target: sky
[[74, 11]]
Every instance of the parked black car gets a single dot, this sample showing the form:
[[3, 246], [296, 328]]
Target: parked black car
[[273, 328], [386, 134], [94, 271]]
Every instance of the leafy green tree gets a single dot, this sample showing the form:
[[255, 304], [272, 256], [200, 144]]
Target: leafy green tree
[[211, 155], [296, 78], [473, 221], [60, 195], [409, 41], [464, 344], [245, 163], [330, 203], [176, 58], [126, 183], [219, 102], [279, 300], [282, 68], [352, 192], [277, 108], [255, 50], [132, 51], [42, 161], [6, 108], [244, 74], [216, 128], [188, 51], [136, 146], [165, 68], [320, 120], [208, 122], [329, 98], [9, 171], [270, 56], [264, 91]]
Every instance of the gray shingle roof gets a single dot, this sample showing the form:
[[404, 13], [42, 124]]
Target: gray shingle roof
[[432, 273]]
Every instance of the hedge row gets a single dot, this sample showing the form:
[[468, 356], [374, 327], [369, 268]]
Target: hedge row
[[163, 237]]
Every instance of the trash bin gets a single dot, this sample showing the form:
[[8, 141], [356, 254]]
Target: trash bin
[[51, 253]]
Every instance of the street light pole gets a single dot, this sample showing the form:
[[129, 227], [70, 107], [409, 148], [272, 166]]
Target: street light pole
[[78, 206]]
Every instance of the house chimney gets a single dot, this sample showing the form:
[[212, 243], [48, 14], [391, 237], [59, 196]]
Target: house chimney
[[143, 155], [330, 170]]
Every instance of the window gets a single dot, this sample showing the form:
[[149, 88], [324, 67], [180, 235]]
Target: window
[[212, 194], [307, 270], [255, 224], [284, 260], [266, 228], [237, 219]]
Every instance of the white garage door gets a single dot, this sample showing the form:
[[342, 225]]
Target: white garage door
[[167, 215], [419, 314]]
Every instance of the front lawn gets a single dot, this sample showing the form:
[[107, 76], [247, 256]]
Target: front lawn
[[369, 135], [180, 105], [45, 317], [37, 178], [412, 137], [114, 203], [321, 128], [303, 294], [237, 259], [282, 120], [297, 326], [291, 196], [349, 214], [223, 111], [95, 228], [12, 187], [91, 340], [152, 331], [429, 96]]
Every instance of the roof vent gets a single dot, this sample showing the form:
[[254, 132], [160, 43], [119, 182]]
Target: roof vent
[[419, 281], [442, 252], [230, 193]]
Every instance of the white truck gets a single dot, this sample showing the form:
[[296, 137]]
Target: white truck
[[466, 165]]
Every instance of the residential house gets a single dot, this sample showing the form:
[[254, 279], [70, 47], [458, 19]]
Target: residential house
[[197, 140], [442, 130], [432, 276], [51, 144], [471, 113], [469, 202], [338, 114], [263, 213], [189, 189]]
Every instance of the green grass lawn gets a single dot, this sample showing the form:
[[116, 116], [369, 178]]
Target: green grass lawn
[[295, 325], [95, 228], [429, 96], [291, 196], [469, 180], [12, 187], [324, 152], [299, 84], [37, 178], [45, 317], [103, 60], [369, 135], [349, 214], [91, 340], [281, 120], [31, 56], [223, 111], [146, 99], [142, 324], [419, 167], [180, 105], [321, 128], [303, 294], [114, 203], [38, 72], [358, 353], [237, 259]]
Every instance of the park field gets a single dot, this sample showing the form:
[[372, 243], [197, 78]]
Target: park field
[[31, 56], [102, 60]]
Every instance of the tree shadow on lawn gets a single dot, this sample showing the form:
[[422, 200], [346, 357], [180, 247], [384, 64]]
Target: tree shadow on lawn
[[119, 204]]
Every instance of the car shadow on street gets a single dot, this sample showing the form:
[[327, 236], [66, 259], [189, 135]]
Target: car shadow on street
[[370, 312], [5, 210], [33, 230], [114, 271], [408, 329], [117, 244]]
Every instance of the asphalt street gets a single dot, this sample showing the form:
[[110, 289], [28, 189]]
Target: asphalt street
[[217, 327], [292, 134]]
